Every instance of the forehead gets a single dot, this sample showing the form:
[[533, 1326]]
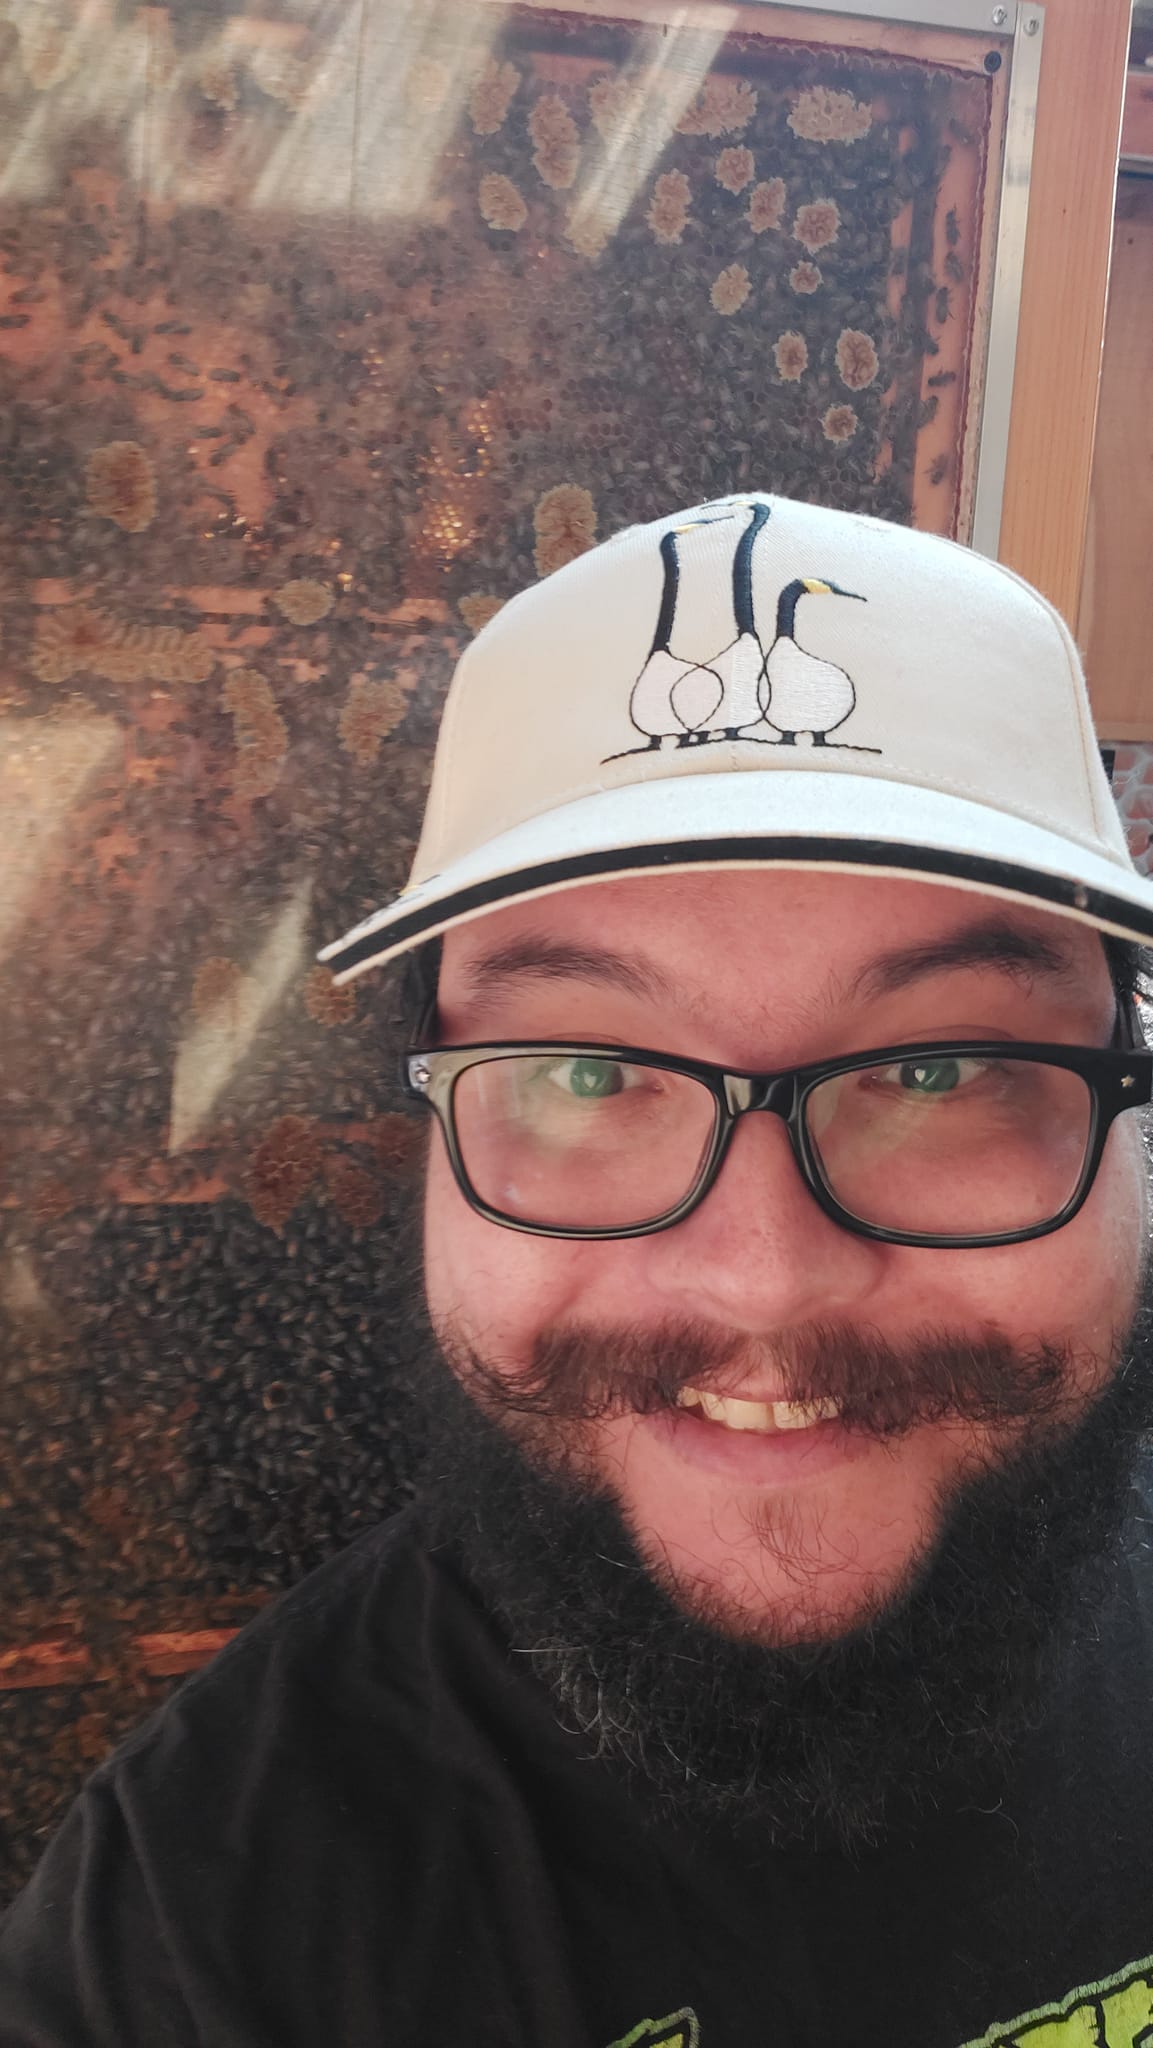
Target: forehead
[[737, 935]]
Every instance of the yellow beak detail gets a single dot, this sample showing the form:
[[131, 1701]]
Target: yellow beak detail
[[815, 587], [718, 519]]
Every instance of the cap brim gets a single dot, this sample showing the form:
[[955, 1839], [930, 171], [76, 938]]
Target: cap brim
[[754, 819]]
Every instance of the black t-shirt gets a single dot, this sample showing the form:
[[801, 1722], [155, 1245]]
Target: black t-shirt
[[362, 1827]]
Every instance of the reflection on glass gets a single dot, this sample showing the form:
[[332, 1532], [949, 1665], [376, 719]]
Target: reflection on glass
[[326, 326]]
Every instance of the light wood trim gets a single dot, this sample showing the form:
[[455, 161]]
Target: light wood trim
[[1064, 283], [1122, 732]]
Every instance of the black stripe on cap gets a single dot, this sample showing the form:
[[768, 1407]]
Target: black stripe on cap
[[1058, 890]]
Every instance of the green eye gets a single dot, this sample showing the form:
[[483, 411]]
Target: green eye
[[930, 1077], [594, 1079]]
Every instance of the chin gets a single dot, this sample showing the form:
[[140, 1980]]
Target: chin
[[810, 1562], [776, 1603]]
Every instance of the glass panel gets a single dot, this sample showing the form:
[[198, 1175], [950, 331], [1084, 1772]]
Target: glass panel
[[953, 1145], [581, 1143], [328, 325]]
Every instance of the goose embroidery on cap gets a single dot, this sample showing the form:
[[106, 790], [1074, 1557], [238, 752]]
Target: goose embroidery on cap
[[800, 691], [726, 696], [677, 699]]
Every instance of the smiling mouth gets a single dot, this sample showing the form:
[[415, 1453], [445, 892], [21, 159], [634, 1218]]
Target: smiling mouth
[[764, 1418]]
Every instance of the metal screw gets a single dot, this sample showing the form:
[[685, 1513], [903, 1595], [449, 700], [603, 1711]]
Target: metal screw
[[419, 1074], [1128, 1080], [1000, 16], [1032, 24], [1080, 899]]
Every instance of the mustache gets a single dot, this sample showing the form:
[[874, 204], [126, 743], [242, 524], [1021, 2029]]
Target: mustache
[[582, 1373]]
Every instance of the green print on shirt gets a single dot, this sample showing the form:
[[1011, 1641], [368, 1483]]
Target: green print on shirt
[[1116, 2013], [677, 2030]]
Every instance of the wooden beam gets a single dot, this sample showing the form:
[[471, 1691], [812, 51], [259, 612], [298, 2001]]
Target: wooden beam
[[59, 1660], [1064, 282], [59, 1655], [175, 1651]]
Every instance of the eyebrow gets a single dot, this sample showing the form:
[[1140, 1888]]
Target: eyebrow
[[548, 959], [993, 943]]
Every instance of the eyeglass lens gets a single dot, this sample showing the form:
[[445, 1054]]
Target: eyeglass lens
[[581, 1143], [950, 1145]]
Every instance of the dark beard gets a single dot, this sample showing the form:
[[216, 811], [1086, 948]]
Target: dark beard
[[832, 1741]]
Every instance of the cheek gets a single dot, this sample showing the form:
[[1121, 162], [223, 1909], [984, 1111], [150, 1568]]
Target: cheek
[[1107, 1243], [1080, 1285], [1113, 1247], [492, 1288]]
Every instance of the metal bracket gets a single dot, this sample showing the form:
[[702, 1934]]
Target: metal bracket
[[981, 17]]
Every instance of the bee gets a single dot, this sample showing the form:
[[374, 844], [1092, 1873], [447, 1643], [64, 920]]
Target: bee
[[952, 228], [928, 410], [954, 267], [961, 135], [943, 302], [900, 263], [942, 377], [939, 468]]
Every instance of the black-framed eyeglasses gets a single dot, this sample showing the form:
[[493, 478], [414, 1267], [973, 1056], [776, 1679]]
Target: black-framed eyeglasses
[[956, 1143]]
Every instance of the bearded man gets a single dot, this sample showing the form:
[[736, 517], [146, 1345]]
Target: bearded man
[[768, 1655]]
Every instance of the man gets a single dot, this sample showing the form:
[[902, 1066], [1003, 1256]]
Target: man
[[769, 1656]]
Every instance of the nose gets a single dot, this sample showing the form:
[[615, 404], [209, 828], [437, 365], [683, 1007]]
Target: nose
[[759, 1253]]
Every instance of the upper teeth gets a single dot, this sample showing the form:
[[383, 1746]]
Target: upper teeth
[[762, 1415]]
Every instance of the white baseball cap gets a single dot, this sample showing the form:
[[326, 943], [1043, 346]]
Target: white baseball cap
[[760, 683]]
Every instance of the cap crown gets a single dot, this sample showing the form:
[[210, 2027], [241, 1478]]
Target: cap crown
[[759, 634]]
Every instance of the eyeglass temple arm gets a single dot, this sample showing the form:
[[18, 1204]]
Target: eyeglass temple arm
[[422, 981], [1128, 1031]]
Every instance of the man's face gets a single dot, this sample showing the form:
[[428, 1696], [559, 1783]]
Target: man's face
[[803, 1535]]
